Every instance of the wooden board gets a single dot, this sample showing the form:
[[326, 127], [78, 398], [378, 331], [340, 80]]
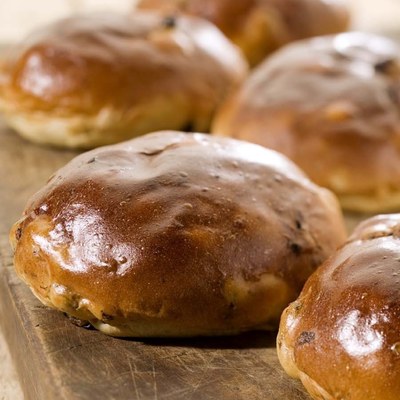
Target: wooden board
[[57, 360]]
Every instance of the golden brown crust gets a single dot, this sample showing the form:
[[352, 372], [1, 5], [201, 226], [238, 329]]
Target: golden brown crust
[[341, 336], [97, 79], [259, 27], [332, 105], [176, 234]]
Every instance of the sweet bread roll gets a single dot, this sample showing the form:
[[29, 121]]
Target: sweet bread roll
[[259, 27], [175, 234], [332, 105], [97, 79], [341, 337]]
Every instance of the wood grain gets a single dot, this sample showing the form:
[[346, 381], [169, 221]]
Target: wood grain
[[56, 360]]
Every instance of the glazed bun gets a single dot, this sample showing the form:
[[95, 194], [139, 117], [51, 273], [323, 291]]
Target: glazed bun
[[98, 79], [259, 27], [332, 105], [175, 234], [342, 336]]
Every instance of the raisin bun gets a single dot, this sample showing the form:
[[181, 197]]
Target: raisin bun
[[342, 336], [332, 105], [175, 234], [97, 79], [259, 27]]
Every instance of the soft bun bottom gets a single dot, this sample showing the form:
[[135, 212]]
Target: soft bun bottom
[[141, 325], [108, 126], [258, 303], [268, 296]]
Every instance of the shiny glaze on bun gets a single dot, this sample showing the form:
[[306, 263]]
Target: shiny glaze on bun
[[176, 234], [341, 337], [97, 79], [332, 105]]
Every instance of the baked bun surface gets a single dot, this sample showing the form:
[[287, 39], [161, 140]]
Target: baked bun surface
[[332, 105], [259, 27], [97, 79], [175, 234], [342, 336]]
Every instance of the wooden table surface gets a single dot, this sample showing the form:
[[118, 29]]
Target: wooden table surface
[[9, 385]]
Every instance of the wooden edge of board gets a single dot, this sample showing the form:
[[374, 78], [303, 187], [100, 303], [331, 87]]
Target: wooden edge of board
[[25, 349]]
